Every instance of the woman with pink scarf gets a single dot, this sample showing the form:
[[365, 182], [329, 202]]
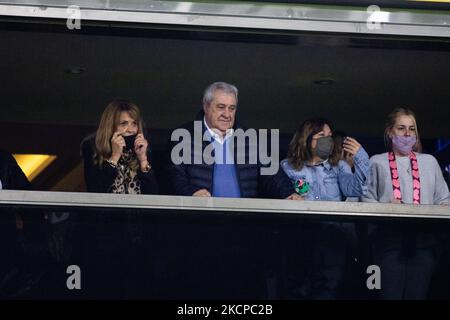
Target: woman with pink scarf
[[407, 252]]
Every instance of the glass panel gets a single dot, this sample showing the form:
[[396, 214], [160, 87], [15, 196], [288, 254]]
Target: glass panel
[[47, 251]]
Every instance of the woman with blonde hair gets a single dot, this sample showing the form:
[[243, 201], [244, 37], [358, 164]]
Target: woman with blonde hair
[[117, 159], [407, 254]]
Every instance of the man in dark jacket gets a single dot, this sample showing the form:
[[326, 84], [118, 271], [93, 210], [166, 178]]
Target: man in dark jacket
[[213, 164], [11, 176], [213, 156]]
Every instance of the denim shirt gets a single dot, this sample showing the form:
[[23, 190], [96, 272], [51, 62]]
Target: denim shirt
[[332, 183]]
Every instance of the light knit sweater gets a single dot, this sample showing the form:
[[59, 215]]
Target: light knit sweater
[[433, 189]]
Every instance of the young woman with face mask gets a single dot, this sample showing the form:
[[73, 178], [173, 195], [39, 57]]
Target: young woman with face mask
[[406, 254], [314, 167], [117, 159], [314, 163]]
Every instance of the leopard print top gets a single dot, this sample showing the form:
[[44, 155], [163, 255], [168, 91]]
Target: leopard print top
[[126, 181]]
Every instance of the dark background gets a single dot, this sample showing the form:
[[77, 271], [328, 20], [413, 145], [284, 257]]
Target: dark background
[[47, 108]]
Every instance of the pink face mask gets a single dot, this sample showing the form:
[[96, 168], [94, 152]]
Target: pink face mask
[[403, 144]]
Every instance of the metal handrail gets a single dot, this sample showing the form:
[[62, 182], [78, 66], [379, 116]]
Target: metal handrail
[[221, 205]]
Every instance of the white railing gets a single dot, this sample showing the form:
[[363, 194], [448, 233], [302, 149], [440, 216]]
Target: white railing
[[221, 205]]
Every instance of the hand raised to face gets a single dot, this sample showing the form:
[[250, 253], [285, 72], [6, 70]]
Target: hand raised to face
[[117, 145], [140, 147], [351, 146]]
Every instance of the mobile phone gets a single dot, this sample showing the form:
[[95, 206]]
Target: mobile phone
[[343, 141]]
